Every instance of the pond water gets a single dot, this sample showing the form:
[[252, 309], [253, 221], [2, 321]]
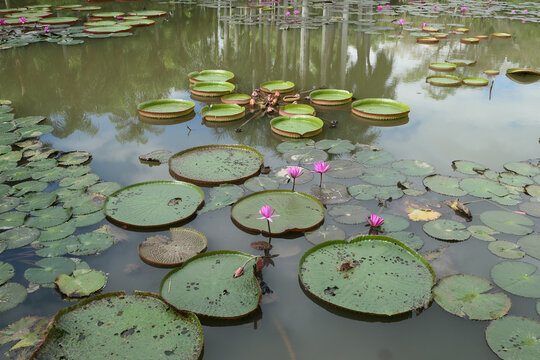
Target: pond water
[[90, 93]]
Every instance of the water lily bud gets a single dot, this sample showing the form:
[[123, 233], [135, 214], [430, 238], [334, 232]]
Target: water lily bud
[[252, 102], [270, 109], [239, 272], [276, 94], [254, 93]]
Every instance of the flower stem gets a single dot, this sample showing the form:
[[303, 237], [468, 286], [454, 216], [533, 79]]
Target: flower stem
[[269, 233], [293, 183], [320, 183]]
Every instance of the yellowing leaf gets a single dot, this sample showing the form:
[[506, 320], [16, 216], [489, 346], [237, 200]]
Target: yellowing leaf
[[422, 214]]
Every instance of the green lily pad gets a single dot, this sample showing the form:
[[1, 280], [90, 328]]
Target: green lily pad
[[522, 168], [277, 85], [382, 176], [157, 156], [12, 219], [294, 145], [369, 157], [506, 249], [154, 203], [48, 217], [7, 165], [67, 195], [507, 222], [12, 156], [29, 186], [50, 175], [297, 211], [19, 237], [107, 29], [322, 234], [11, 295], [483, 188], [79, 182], [329, 97], [475, 81], [34, 131], [88, 219], [305, 156], [335, 146], [408, 238], [517, 277], [7, 203], [148, 13], [296, 109], [449, 230], [74, 158], [380, 109], [18, 173], [28, 121], [223, 112], [444, 80], [77, 171], [90, 243], [41, 154], [222, 196], [260, 183], [44, 164], [445, 185], [344, 169], [85, 204], [514, 337], [104, 188], [512, 179], [462, 62], [482, 232], [6, 272], [370, 274], [205, 285], [297, 126], [8, 138], [54, 248], [531, 245], [49, 269], [57, 232], [181, 246], [533, 190], [369, 192], [393, 223], [413, 167], [83, 282], [283, 177], [131, 323], [28, 332], [330, 193], [212, 88], [5, 190], [211, 75], [216, 164], [349, 214], [442, 66], [467, 296], [36, 201]]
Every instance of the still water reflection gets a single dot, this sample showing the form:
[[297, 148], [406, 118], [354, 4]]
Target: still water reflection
[[90, 93]]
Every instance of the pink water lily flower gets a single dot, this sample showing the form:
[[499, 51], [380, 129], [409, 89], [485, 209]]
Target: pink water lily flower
[[435, 6], [513, 12], [374, 220], [294, 172], [388, 6], [464, 8], [401, 21], [321, 167], [22, 20], [2, 21], [379, 8], [296, 12], [267, 213], [46, 28], [525, 11], [288, 13]]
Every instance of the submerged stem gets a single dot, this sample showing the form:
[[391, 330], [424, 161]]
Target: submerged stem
[[293, 183], [269, 232]]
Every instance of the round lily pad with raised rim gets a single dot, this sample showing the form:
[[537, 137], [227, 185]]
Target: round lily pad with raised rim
[[239, 99], [11, 295], [517, 278], [491, 72], [206, 286], [86, 8], [148, 13], [139, 319], [212, 88], [469, 40], [296, 109], [430, 29], [165, 108], [223, 112], [210, 75], [467, 296], [501, 35], [154, 203], [216, 164], [380, 109], [297, 126], [427, 40], [108, 14], [449, 230], [113, 29], [297, 211], [139, 22], [514, 337], [523, 71], [506, 249], [370, 274], [531, 245], [59, 20], [330, 97], [507, 222], [444, 80], [475, 81], [442, 66], [100, 23], [162, 250], [461, 62], [445, 185], [281, 86]]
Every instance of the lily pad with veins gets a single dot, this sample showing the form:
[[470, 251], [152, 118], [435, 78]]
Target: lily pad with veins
[[514, 337]]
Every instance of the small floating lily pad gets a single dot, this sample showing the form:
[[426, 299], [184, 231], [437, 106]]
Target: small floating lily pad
[[337, 146], [205, 285], [501, 35], [330, 97], [90, 243], [112, 29], [408, 238], [330, 193], [154, 203], [296, 109], [261, 183], [382, 176], [298, 211], [517, 277], [57, 232], [482, 187], [467, 296], [444, 80], [212, 88], [349, 214], [370, 274], [297, 126], [373, 157], [462, 62], [19, 237], [380, 109], [6, 272], [531, 245], [506, 249], [442, 66], [104, 188], [413, 167], [294, 145], [445, 185], [221, 196], [46, 218], [148, 13], [216, 164], [12, 219], [482, 232], [522, 168], [49, 269], [344, 169], [444, 229], [74, 158], [165, 108], [223, 112], [11, 295], [304, 156], [369, 192], [83, 282], [393, 223], [181, 246], [28, 332], [475, 81], [277, 85], [507, 222], [322, 234], [282, 176], [514, 337], [210, 75]]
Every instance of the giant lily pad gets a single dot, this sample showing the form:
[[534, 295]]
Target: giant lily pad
[[83, 282], [444, 80], [11, 295], [277, 85], [59, 20], [370, 274], [517, 277], [514, 337], [223, 112], [467, 296], [380, 109], [165, 108], [297, 211], [224, 195], [154, 203], [131, 323], [442, 66], [297, 126], [296, 109], [239, 99], [507, 222], [444, 229], [210, 75], [216, 164], [181, 246], [112, 29], [205, 285], [330, 97], [531, 245], [475, 81], [148, 13], [445, 185], [49, 269], [212, 88]]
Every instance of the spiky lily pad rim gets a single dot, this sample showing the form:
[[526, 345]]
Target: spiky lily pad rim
[[223, 146], [402, 110], [213, 253], [315, 121], [240, 112], [318, 97], [193, 75], [297, 193], [82, 303], [165, 114]]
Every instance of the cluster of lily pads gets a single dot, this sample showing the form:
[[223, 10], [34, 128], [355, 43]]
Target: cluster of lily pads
[[35, 23]]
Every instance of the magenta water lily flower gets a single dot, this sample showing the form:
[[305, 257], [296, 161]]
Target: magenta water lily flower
[[296, 12], [22, 20], [294, 172], [288, 13], [46, 28], [464, 8], [525, 11], [267, 213], [321, 167], [374, 220], [2, 21], [401, 21]]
